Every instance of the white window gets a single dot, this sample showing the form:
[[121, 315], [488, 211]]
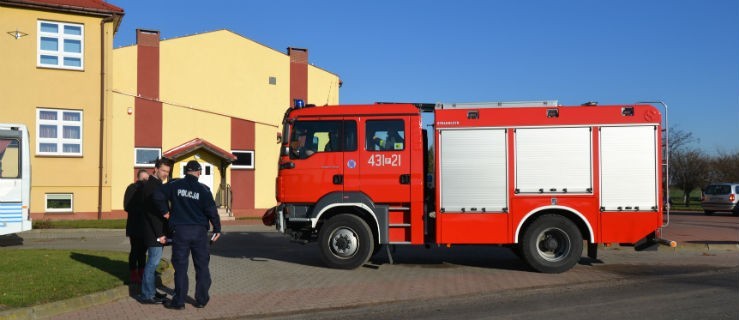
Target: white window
[[146, 157], [58, 132], [61, 45], [59, 202], [244, 159]]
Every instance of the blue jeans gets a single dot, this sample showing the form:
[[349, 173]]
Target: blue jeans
[[148, 281]]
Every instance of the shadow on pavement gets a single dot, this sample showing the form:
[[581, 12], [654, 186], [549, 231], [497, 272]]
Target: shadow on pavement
[[265, 246], [10, 240]]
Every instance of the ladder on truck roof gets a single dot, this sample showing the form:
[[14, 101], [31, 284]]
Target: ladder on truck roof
[[429, 107], [498, 104]]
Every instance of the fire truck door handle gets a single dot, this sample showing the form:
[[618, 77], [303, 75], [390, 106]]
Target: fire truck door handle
[[338, 179], [405, 179]]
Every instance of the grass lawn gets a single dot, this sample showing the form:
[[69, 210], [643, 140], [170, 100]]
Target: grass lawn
[[76, 224], [676, 194], [30, 277]]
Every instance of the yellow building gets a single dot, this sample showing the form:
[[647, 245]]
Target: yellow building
[[55, 63], [215, 97]]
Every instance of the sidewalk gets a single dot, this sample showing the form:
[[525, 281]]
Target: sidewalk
[[695, 229], [258, 272]]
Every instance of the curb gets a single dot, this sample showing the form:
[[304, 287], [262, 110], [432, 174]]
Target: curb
[[707, 246], [73, 304]]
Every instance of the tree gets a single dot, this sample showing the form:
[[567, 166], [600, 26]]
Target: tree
[[679, 140], [725, 167], [690, 169]]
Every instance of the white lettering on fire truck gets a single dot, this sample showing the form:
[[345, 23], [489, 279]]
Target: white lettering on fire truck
[[381, 160]]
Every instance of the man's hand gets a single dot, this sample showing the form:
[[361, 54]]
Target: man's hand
[[215, 237], [162, 239], [166, 216]]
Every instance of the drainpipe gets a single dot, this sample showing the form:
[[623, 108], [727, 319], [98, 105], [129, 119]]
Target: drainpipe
[[102, 114]]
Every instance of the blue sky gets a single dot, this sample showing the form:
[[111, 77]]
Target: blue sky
[[685, 53]]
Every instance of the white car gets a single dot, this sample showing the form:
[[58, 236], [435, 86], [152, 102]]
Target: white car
[[720, 197]]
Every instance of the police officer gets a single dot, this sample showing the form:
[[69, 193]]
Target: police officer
[[193, 211]]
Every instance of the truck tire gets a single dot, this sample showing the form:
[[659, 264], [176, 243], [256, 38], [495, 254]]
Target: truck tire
[[345, 241], [551, 244]]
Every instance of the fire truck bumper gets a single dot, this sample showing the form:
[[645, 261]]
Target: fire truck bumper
[[280, 218], [275, 216]]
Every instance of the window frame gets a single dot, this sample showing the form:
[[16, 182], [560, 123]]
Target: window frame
[[60, 54], [341, 144], [374, 124], [19, 160], [235, 166], [136, 164], [59, 140], [57, 210]]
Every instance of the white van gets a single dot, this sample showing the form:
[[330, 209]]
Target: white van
[[15, 179]]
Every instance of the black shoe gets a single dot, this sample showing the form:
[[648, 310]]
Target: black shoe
[[200, 305], [172, 306], [154, 300], [160, 295]]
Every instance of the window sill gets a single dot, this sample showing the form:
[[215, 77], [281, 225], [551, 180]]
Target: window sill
[[59, 68], [58, 156]]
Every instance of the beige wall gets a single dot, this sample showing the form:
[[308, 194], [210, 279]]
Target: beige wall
[[205, 80], [323, 87], [24, 87], [226, 73]]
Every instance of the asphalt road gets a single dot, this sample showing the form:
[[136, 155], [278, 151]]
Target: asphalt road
[[257, 272], [701, 295]]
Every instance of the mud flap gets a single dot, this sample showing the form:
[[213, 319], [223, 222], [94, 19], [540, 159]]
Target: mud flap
[[593, 251], [269, 217], [649, 243]]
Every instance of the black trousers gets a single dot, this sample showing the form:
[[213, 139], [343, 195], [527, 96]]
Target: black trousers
[[137, 256], [191, 238]]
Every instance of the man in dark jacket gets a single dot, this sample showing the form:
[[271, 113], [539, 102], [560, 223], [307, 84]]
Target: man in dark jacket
[[137, 255], [193, 211], [153, 231]]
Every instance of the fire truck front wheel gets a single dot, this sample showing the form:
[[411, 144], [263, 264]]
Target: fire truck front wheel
[[552, 244], [345, 241]]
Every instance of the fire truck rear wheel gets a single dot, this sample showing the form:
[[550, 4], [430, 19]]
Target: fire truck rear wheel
[[346, 242], [552, 244]]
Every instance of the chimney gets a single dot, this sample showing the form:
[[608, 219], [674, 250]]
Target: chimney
[[148, 117], [298, 74], [148, 63]]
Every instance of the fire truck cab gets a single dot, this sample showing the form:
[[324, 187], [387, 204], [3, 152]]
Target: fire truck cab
[[535, 176]]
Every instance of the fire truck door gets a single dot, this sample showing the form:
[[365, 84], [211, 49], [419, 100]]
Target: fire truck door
[[384, 159], [317, 158]]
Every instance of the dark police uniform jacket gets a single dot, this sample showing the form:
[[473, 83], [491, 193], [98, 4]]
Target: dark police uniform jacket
[[192, 204]]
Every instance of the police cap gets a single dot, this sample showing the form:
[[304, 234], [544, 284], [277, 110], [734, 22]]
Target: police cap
[[192, 165]]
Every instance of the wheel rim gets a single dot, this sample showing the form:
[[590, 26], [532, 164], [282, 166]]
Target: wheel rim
[[553, 244], [344, 242]]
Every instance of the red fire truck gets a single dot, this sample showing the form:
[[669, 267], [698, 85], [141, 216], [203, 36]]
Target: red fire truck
[[543, 179]]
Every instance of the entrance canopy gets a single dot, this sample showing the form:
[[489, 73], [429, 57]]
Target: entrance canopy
[[196, 144]]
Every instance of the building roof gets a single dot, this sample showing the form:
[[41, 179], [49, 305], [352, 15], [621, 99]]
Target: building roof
[[196, 144], [92, 6]]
